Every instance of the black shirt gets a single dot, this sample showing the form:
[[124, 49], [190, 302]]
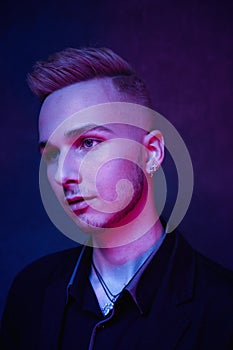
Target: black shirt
[[85, 327]]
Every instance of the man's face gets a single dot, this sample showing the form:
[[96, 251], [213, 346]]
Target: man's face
[[84, 190]]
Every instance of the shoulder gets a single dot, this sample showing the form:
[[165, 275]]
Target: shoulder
[[204, 295], [43, 280], [206, 266], [209, 276], [39, 274], [28, 291], [214, 278]]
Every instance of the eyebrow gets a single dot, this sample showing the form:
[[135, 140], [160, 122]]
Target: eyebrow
[[89, 127], [77, 132]]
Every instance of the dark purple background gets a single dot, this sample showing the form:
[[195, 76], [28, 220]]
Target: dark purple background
[[183, 50]]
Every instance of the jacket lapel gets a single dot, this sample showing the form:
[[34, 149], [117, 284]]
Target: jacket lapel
[[171, 326], [55, 299], [52, 317], [174, 267], [176, 294]]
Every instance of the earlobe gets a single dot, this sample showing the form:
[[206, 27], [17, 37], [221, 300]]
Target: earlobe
[[154, 142]]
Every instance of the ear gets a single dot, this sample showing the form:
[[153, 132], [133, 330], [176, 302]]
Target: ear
[[154, 144]]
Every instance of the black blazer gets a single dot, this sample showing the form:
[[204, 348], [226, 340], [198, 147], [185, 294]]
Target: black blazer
[[193, 308]]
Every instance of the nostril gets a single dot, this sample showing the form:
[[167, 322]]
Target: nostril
[[71, 179], [68, 182]]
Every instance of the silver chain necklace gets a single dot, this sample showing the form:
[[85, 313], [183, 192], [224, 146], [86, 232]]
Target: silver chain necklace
[[113, 297]]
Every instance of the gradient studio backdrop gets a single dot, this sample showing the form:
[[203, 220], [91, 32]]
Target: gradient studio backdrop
[[183, 50]]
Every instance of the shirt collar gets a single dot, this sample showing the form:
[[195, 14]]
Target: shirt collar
[[144, 285]]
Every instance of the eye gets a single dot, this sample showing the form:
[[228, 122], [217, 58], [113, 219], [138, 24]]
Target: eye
[[89, 143], [50, 155]]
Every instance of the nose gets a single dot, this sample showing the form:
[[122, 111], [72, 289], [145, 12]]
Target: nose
[[67, 171]]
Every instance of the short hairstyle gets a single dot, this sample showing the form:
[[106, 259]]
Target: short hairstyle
[[74, 65]]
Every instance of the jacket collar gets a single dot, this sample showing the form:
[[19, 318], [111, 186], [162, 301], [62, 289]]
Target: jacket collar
[[169, 276], [172, 278]]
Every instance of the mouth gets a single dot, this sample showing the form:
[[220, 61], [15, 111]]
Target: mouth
[[77, 203]]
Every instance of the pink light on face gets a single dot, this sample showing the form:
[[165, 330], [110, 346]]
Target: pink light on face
[[95, 170], [101, 163]]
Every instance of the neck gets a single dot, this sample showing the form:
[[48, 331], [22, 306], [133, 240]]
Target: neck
[[118, 265], [125, 258]]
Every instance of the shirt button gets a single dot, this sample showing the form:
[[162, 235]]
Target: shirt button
[[102, 326]]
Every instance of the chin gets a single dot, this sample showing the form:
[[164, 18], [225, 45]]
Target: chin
[[98, 222], [89, 224]]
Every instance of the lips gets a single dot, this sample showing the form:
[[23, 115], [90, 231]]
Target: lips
[[74, 199], [76, 203]]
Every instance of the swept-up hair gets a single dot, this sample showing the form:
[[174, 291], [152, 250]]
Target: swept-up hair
[[74, 65]]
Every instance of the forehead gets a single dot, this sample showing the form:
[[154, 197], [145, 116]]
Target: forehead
[[93, 102], [61, 104]]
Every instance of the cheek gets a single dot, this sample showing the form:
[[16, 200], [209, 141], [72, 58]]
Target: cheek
[[51, 180], [50, 175], [112, 172]]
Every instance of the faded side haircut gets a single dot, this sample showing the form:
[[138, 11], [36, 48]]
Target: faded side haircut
[[73, 65]]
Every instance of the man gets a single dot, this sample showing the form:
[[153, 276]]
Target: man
[[132, 286]]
